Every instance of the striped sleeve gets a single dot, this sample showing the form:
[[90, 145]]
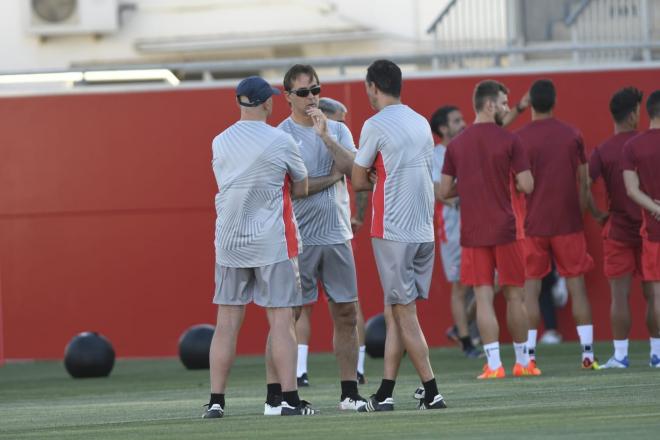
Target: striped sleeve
[[369, 146]]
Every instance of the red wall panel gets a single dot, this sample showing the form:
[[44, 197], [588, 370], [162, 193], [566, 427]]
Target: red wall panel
[[106, 212]]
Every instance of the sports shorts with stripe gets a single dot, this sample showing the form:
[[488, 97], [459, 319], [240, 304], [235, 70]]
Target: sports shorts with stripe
[[274, 285]]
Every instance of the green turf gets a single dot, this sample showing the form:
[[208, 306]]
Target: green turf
[[160, 399]]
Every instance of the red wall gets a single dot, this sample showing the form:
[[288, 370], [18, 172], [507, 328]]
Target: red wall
[[106, 212]]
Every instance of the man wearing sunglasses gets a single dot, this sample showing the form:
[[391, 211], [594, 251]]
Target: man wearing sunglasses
[[324, 219]]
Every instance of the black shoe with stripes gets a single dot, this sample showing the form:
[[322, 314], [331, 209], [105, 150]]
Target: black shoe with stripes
[[374, 405], [304, 409]]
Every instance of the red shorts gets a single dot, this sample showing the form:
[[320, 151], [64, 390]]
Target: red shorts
[[650, 260], [478, 265], [568, 250], [621, 258]]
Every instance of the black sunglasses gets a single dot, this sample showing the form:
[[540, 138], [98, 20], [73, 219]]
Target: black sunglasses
[[303, 93]]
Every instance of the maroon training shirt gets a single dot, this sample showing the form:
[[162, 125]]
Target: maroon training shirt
[[482, 159], [555, 150], [625, 215], [642, 154]]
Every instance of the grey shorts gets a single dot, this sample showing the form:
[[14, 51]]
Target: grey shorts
[[450, 250], [275, 285], [334, 266], [405, 269]]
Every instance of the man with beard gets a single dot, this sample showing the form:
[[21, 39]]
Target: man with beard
[[485, 166]]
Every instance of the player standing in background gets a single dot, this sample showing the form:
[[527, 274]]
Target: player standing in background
[[622, 242], [257, 169], [325, 227], [447, 122], [398, 143], [336, 111], [485, 165], [641, 162], [553, 224]]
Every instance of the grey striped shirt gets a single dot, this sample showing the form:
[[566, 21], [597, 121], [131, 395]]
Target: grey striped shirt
[[324, 217], [253, 163], [399, 144]]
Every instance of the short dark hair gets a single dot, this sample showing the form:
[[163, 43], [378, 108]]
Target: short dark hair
[[624, 102], [440, 118], [542, 95], [487, 90], [386, 76], [295, 71], [653, 104]]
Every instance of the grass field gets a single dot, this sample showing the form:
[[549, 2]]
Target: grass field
[[160, 399]]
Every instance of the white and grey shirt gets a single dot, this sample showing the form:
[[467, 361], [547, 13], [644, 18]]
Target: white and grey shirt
[[451, 216], [254, 164], [324, 217], [398, 143]]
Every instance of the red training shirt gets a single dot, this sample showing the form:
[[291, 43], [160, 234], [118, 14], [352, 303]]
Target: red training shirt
[[555, 150], [625, 215], [482, 159], [642, 154]]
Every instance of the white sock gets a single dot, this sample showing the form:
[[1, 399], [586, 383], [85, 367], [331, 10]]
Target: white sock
[[531, 343], [586, 335], [522, 357], [302, 359], [360, 365], [493, 355], [620, 348], [655, 347]]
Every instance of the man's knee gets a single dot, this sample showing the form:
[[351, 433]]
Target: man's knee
[[345, 314]]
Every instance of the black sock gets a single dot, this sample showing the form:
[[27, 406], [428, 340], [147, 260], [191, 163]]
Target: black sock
[[430, 390], [348, 388], [291, 397], [273, 394], [385, 390], [467, 343], [217, 398]]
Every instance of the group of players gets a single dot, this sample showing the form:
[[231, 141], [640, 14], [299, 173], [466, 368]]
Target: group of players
[[283, 225]]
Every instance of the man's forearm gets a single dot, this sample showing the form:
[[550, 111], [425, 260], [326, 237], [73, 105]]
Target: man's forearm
[[644, 201], [361, 199], [318, 184], [343, 158]]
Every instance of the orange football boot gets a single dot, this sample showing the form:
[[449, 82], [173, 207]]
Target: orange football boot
[[499, 373]]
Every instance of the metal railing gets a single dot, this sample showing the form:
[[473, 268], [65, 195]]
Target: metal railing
[[499, 24], [603, 21]]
